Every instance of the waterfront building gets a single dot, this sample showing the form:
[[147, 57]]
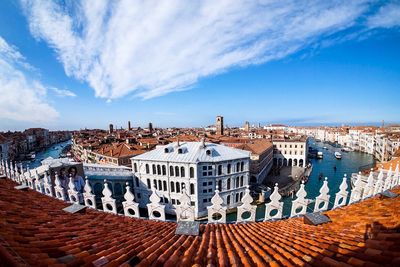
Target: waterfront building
[[247, 126], [4, 144], [199, 167], [290, 151], [220, 125]]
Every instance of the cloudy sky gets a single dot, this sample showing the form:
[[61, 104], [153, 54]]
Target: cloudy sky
[[75, 64]]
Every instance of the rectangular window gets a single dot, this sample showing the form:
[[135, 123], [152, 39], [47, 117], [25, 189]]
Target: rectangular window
[[204, 173], [209, 190], [138, 195], [204, 168], [210, 173], [173, 201], [204, 191], [204, 183], [210, 167], [210, 183], [205, 200]]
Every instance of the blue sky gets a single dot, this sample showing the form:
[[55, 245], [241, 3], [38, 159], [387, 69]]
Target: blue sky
[[81, 64]]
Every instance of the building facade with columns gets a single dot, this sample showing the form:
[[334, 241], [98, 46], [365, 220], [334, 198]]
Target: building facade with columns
[[198, 167], [290, 152]]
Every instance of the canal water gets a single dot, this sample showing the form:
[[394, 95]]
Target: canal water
[[54, 151], [350, 163]]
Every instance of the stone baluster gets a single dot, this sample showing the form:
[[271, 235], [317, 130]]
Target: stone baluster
[[369, 188], [155, 209], [48, 188], [246, 212], [15, 172], [29, 178], [109, 203], [299, 205], [88, 196], [73, 194], [7, 170], [12, 171], [388, 180], [131, 208], [396, 178], [379, 183], [322, 201], [341, 196], [2, 167], [38, 182], [217, 211], [59, 190], [275, 204], [357, 191], [21, 175], [184, 211]]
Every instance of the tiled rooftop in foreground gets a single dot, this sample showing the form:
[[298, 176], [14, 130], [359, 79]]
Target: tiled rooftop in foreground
[[35, 231]]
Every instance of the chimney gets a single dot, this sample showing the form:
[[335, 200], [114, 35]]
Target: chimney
[[129, 126]]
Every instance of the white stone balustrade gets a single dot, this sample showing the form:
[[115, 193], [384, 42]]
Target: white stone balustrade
[[217, 211], [109, 203], [246, 212], [369, 188], [322, 201], [184, 211], [299, 205], [73, 194], [88, 197], [48, 188], [155, 209], [58, 189], [273, 210], [341, 196], [131, 208], [379, 183], [38, 182], [357, 191]]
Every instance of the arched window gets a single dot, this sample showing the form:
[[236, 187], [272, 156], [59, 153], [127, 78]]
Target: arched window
[[241, 196], [137, 182], [176, 171], [172, 187], [135, 167], [228, 169], [228, 200], [158, 169], [228, 184], [148, 184], [182, 171], [165, 185], [237, 182], [219, 169], [241, 180], [178, 188], [159, 185], [171, 171], [191, 172], [155, 184], [220, 185], [238, 167], [192, 189], [164, 170], [241, 166], [154, 169], [237, 197], [147, 169]]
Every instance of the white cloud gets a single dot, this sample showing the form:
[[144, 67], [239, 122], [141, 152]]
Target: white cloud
[[151, 48], [21, 98], [62, 92], [387, 16]]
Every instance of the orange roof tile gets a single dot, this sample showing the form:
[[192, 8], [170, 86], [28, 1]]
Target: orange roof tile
[[35, 231]]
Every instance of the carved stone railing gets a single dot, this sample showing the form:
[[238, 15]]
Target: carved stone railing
[[363, 187]]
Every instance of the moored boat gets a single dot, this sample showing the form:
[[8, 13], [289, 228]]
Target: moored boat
[[320, 155], [338, 155]]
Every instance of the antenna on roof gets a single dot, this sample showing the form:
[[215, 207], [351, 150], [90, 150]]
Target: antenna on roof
[[203, 144]]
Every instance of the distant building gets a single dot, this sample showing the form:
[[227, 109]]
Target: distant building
[[129, 126], [4, 144], [150, 127], [247, 126], [220, 125], [111, 128], [290, 152], [197, 166]]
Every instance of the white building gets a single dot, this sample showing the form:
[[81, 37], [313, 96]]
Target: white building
[[290, 152], [197, 166]]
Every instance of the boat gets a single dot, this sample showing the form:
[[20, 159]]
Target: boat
[[320, 155], [338, 155], [32, 155], [325, 148]]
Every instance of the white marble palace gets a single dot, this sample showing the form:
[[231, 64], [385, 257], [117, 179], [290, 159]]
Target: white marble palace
[[196, 167]]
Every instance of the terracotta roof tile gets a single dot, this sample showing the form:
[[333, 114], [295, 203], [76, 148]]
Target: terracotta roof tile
[[35, 231]]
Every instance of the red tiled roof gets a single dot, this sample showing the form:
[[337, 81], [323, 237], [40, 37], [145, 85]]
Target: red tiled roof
[[35, 230]]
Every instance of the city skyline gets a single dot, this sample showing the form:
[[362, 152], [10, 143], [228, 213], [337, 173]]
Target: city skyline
[[71, 67]]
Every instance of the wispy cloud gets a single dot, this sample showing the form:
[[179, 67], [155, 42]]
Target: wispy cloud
[[387, 16], [151, 48], [21, 98], [62, 92]]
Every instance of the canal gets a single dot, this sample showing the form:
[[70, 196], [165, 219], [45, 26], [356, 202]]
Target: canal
[[54, 151], [350, 163]]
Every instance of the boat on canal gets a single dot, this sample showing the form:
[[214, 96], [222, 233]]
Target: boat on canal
[[320, 155], [338, 155]]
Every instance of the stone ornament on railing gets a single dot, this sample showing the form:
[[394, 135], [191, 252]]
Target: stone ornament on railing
[[322, 201], [299, 205], [184, 211], [369, 188], [388, 180], [47, 185], [217, 211], [131, 208], [1, 167], [73, 194], [356, 192], [155, 209], [246, 212], [379, 183], [29, 178], [21, 175], [274, 205], [396, 178], [38, 182], [109, 203], [341, 196], [12, 172], [88, 196], [6, 169], [59, 190]]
